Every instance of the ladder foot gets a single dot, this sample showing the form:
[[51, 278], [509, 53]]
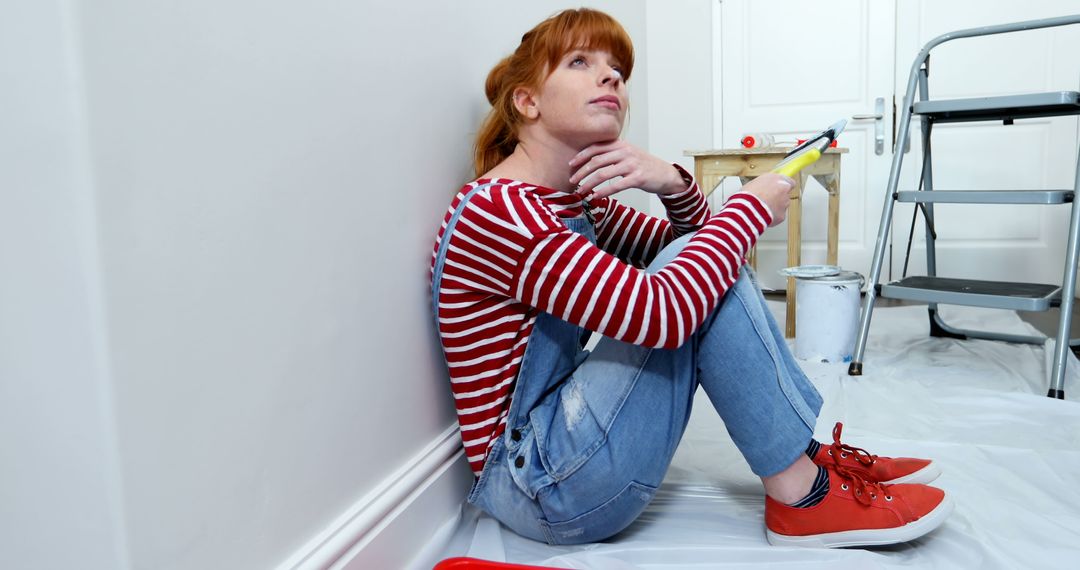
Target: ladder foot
[[855, 369], [1059, 394]]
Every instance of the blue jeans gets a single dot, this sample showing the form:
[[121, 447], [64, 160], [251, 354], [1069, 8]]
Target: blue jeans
[[590, 436]]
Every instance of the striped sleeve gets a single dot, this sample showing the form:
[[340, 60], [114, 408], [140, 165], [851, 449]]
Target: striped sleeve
[[562, 273], [635, 237]]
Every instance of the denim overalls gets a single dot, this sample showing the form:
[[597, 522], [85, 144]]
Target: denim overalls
[[589, 436]]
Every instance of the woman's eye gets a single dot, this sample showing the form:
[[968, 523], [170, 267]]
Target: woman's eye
[[577, 61]]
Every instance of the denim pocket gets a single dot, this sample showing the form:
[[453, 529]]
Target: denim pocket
[[604, 521], [568, 430], [573, 423]]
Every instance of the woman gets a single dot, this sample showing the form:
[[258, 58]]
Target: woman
[[569, 446]]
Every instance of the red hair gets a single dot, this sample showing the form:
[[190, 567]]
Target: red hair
[[534, 59]]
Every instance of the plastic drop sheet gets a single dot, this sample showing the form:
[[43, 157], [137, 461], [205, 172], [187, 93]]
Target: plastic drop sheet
[[1010, 458]]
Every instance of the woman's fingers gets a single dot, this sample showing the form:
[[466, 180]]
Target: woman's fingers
[[607, 173], [594, 163], [605, 162], [614, 187], [775, 191], [593, 150]]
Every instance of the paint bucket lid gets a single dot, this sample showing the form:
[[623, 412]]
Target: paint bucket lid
[[842, 277], [810, 271]]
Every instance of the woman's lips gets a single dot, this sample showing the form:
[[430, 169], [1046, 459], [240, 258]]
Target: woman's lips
[[608, 101]]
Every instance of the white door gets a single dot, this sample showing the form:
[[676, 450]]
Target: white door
[[1018, 243], [792, 68]]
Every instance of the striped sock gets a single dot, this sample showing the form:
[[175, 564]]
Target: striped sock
[[817, 491], [812, 449]]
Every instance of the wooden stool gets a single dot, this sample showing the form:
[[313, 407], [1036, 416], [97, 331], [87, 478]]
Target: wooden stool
[[712, 166]]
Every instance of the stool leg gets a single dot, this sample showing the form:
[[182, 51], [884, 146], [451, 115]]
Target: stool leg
[[832, 256], [794, 250]]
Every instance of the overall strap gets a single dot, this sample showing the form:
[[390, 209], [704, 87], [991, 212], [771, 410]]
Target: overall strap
[[444, 243]]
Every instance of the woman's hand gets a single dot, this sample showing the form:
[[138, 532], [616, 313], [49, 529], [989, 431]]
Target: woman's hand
[[773, 189], [624, 166]]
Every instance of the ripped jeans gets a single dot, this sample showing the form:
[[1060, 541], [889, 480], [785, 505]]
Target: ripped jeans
[[590, 436]]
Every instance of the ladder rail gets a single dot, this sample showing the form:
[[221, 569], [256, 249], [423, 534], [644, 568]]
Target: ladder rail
[[1068, 295], [987, 31]]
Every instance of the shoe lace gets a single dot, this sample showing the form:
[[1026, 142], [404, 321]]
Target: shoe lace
[[866, 489], [838, 449]]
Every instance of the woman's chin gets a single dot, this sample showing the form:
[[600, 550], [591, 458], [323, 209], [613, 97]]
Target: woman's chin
[[604, 135], [593, 134]]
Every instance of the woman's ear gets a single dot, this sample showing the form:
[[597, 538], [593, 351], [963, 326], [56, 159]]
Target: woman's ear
[[525, 103]]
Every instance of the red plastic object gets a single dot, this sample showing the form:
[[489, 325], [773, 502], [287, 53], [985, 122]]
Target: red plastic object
[[757, 140], [464, 563]]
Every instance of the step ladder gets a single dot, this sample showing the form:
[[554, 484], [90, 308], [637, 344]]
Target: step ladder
[[934, 290]]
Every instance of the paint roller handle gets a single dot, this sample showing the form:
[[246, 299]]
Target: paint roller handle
[[793, 165]]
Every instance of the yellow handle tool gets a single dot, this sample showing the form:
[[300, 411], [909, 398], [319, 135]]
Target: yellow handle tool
[[810, 151], [792, 166]]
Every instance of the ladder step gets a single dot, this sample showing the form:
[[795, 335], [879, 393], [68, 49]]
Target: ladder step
[[1006, 107], [991, 294], [987, 196]]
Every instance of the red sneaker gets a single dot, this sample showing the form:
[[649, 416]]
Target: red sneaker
[[888, 470], [857, 512]]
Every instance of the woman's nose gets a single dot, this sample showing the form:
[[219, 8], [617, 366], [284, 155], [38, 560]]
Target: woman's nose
[[610, 76]]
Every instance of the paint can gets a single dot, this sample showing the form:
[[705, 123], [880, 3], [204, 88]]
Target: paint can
[[827, 315]]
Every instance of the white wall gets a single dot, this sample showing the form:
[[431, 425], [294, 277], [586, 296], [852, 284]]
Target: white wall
[[215, 225], [681, 95], [59, 485]]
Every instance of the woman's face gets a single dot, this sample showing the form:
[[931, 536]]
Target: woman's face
[[583, 100]]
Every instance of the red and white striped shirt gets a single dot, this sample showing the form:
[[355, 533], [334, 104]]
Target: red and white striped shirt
[[510, 257]]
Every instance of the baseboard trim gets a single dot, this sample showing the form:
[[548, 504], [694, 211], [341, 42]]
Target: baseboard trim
[[429, 472]]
